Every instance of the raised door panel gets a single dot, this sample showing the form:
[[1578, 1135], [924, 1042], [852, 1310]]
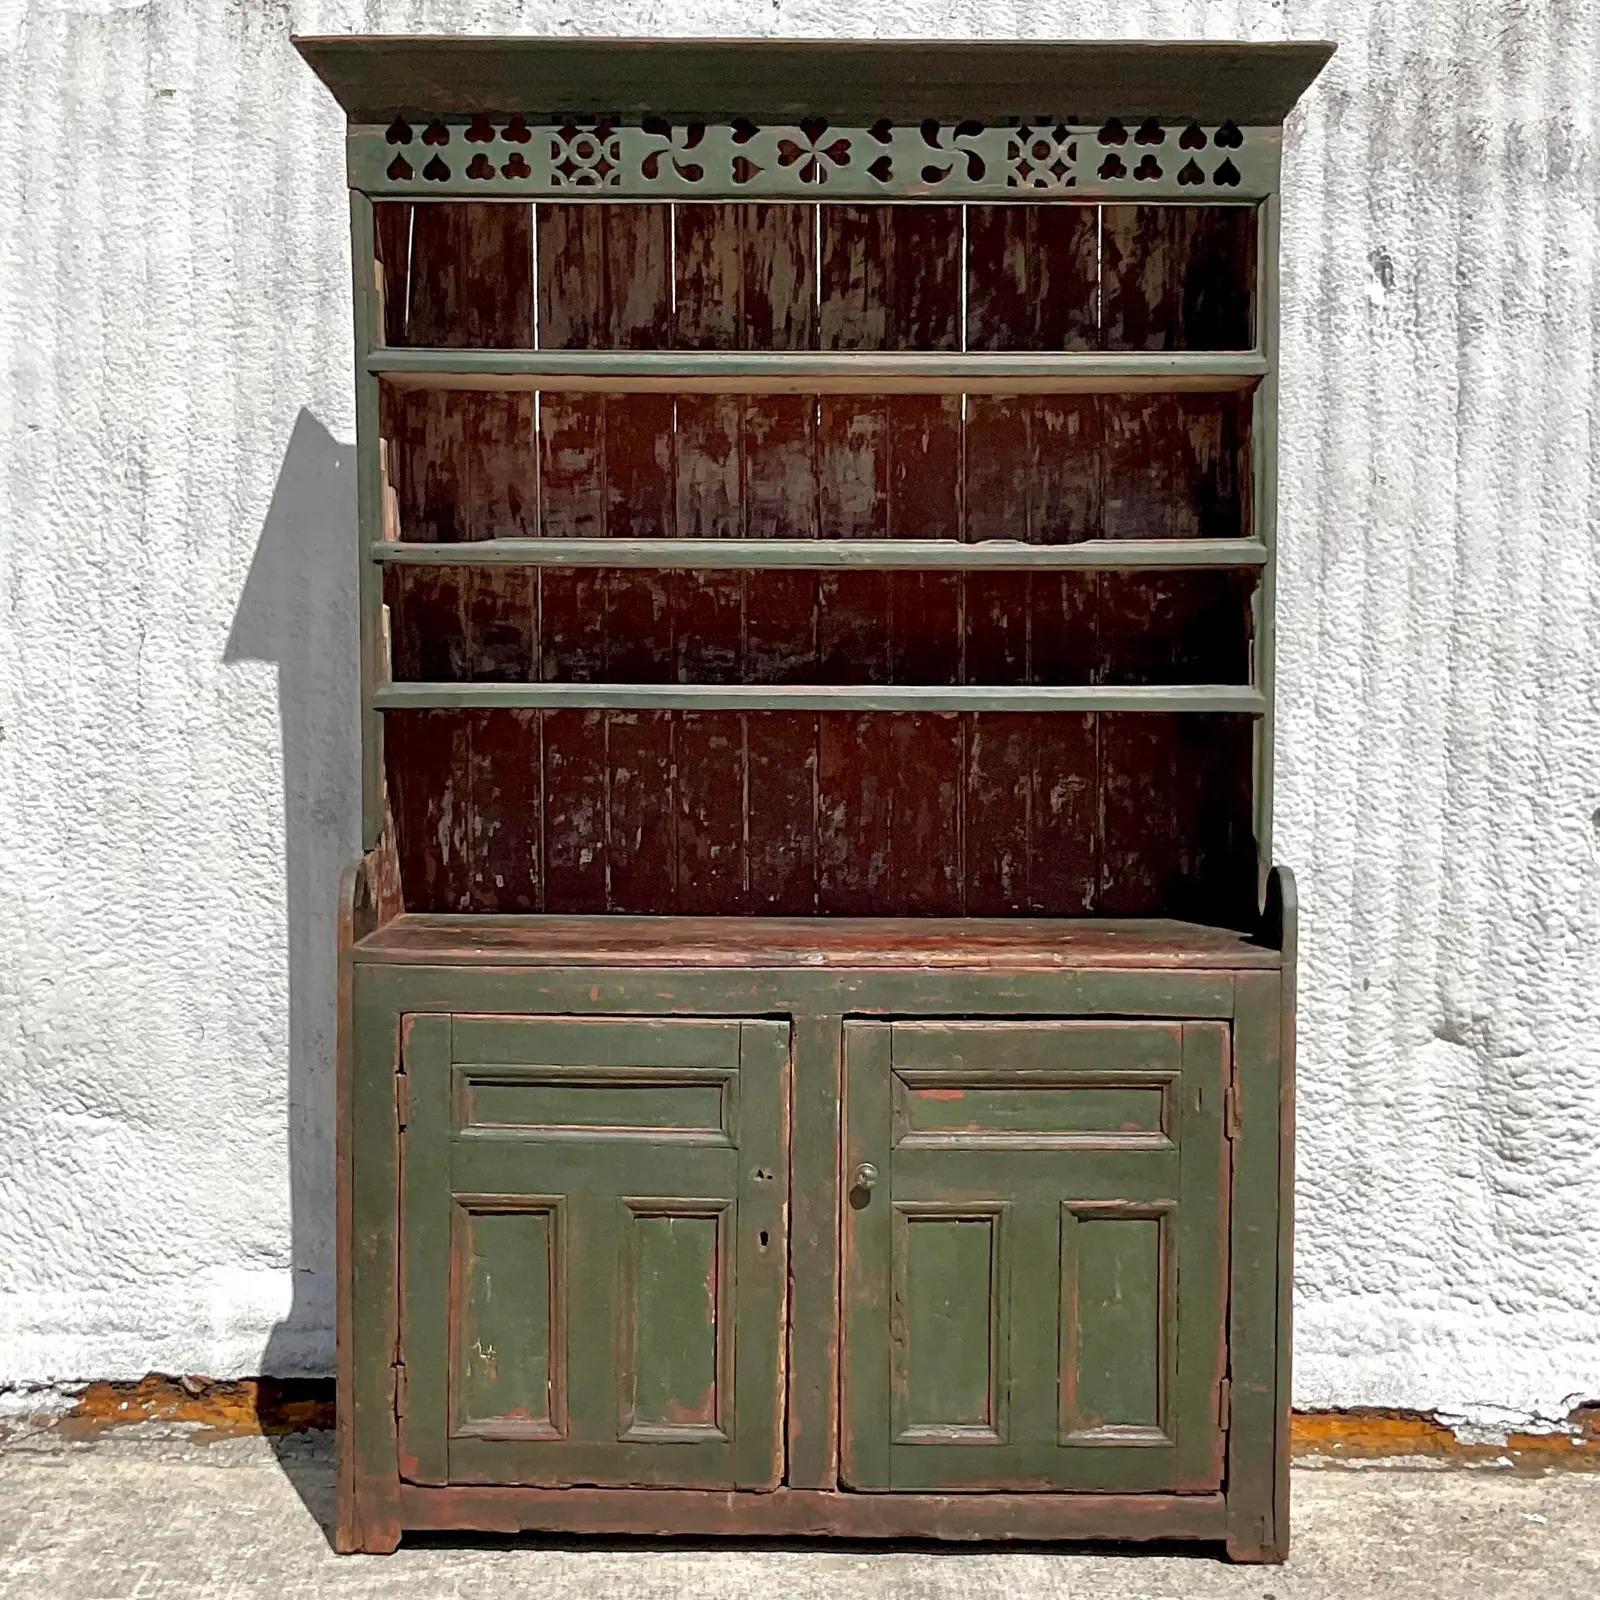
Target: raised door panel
[[508, 1348], [593, 1243], [1034, 1255]]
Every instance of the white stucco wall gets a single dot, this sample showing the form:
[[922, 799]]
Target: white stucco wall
[[177, 781]]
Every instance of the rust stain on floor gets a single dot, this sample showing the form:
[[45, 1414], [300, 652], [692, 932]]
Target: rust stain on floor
[[1373, 1435], [221, 1409]]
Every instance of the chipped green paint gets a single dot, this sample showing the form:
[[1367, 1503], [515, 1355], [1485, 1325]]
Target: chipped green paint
[[680, 1322], [948, 1333], [1051, 1268], [513, 1276], [640, 1100], [1114, 1368], [623, 1354], [1003, 1113]]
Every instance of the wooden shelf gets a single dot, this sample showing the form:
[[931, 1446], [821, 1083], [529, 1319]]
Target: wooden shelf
[[1238, 699], [944, 555], [943, 942], [808, 372]]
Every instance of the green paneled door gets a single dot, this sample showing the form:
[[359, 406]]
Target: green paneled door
[[593, 1250], [1025, 1201]]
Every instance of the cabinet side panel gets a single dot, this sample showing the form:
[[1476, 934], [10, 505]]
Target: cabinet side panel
[[370, 1445], [1257, 1440]]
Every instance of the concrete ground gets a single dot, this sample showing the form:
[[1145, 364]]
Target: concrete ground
[[144, 1513]]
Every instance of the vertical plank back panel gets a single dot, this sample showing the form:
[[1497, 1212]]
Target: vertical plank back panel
[[498, 625], [709, 314], [1176, 817], [890, 789], [463, 466], [572, 759], [391, 236], [471, 276], [428, 757], [639, 624], [778, 277], [1033, 277], [1218, 304], [1173, 467], [1142, 294], [1177, 277], [605, 282], [925, 753], [507, 799], [745, 280], [1034, 472], [570, 258], [795, 813], [572, 505], [781, 609], [999, 785]]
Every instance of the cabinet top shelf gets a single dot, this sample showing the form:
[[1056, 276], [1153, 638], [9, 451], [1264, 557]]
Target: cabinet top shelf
[[375, 77]]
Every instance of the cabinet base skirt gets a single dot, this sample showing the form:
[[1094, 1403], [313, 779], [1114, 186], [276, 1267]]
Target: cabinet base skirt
[[800, 1512]]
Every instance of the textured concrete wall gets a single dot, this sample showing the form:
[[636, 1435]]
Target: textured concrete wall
[[177, 784]]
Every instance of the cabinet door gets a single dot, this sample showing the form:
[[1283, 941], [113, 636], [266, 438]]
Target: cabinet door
[[1035, 1252], [592, 1248]]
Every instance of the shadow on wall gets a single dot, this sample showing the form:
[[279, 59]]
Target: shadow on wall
[[298, 611]]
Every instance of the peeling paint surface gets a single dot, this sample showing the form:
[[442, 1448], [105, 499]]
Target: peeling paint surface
[[177, 679]]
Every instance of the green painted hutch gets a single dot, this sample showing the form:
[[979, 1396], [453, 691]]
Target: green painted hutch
[[817, 1010]]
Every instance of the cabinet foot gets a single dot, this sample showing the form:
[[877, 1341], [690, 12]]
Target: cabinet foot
[[1245, 1552], [366, 1539]]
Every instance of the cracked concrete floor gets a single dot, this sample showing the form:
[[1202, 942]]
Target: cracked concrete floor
[[142, 1513]]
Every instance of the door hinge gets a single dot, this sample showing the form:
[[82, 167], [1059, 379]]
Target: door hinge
[[401, 1394], [402, 1099], [1225, 1404], [1230, 1105]]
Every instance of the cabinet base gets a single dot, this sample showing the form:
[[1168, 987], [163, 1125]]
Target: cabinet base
[[801, 1512]]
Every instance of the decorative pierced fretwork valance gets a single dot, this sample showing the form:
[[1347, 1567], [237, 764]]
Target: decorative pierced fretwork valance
[[741, 159]]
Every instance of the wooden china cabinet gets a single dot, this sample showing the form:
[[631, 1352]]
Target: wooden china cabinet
[[817, 1016]]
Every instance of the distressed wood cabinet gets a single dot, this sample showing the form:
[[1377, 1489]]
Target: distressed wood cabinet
[[817, 1022]]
